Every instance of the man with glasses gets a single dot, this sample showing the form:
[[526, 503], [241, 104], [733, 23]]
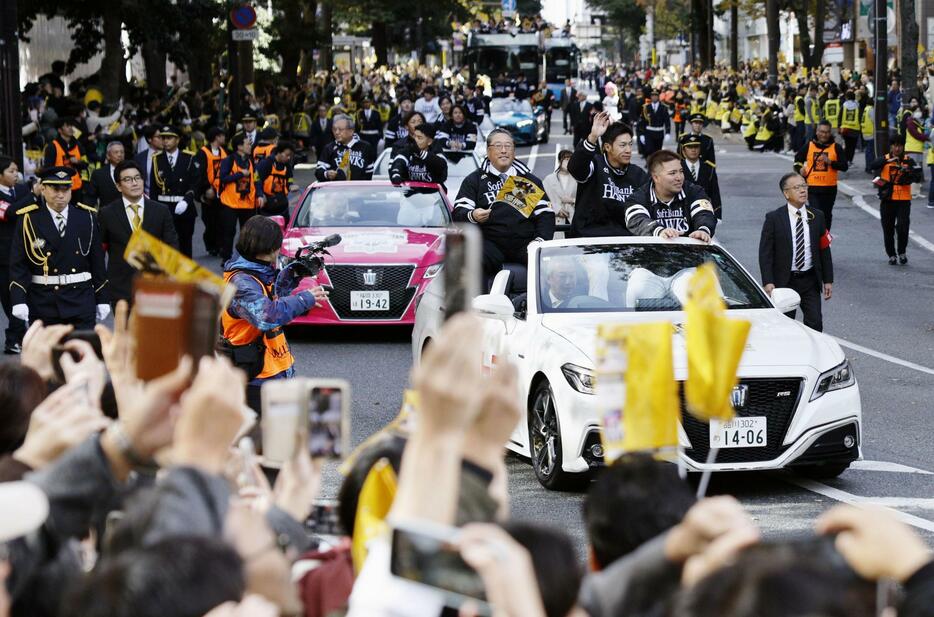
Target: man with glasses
[[507, 202], [794, 251], [606, 178], [118, 221], [347, 157]]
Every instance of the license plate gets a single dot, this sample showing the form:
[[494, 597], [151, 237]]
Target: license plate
[[739, 433], [369, 300]]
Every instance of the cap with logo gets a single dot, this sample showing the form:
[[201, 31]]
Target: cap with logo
[[57, 176], [167, 131]]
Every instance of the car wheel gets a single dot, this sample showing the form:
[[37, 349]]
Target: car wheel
[[826, 471], [545, 443]]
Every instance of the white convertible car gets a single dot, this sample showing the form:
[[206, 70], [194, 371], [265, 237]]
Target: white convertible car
[[797, 402]]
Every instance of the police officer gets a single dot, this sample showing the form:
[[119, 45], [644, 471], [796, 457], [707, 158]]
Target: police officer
[[371, 125], [57, 271], [602, 166], [13, 196], [248, 122], [173, 182], [508, 220], [669, 207], [819, 161], [347, 157], [275, 174], [208, 163], [896, 174], [654, 124], [66, 151], [419, 161], [700, 172], [708, 151]]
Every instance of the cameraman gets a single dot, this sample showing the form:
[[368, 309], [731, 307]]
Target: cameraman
[[252, 335], [896, 173]]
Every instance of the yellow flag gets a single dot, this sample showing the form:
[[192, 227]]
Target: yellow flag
[[520, 193], [344, 165], [374, 503], [715, 344]]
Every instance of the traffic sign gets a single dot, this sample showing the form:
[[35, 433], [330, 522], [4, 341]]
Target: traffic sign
[[243, 17], [245, 35]]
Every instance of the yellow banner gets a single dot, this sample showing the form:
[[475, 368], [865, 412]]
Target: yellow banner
[[520, 193], [374, 503]]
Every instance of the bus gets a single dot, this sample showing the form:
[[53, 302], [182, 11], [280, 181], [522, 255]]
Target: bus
[[531, 54]]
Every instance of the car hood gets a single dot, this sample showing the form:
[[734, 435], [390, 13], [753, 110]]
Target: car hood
[[774, 340], [372, 244]]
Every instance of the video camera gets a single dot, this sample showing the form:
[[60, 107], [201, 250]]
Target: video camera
[[309, 259]]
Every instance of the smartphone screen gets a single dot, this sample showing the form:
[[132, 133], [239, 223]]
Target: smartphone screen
[[432, 559], [328, 405], [462, 269], [324, 520], [284, 402]]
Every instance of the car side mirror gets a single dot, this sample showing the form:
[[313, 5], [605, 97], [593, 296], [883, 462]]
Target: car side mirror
[[496, 306], [278, 220], [785, 300]]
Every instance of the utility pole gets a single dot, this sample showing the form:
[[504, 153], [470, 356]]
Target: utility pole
[[233, 69], [881, 107], [908, 37], [774, 34], [11, 115]]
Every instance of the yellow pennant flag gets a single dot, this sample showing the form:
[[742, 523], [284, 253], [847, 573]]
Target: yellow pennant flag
[[344, 164], [649, 418], [520, 193], [715, 344], [375, 501]]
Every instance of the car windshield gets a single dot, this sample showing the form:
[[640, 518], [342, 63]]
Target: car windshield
[[373, 206], [636, 277], [506, 106]]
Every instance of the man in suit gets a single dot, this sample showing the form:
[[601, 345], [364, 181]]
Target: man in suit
[[321, 133], [13, 196], [369, 123], [144, 157], [580, 117], [794, 251], [562, 278], [700, 171], [173, 182], [101, 189], [568, 97], [121, 217]]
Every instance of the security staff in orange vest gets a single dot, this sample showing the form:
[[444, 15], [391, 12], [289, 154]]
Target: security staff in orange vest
[[896, 173], [266, 142], [275, 172], [208, 161], [65, 151], [252, 326], [819, 161], [241, 193]]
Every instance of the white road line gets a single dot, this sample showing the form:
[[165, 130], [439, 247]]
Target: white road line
[[923, 242], [856, 500], [884, 356], [532, 155], [305, 166], [888, 467]]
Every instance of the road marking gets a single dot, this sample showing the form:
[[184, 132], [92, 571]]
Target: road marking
[[923, 242], [856, 500], [888, 467], [884, 356], [532, 155], [305, 166]]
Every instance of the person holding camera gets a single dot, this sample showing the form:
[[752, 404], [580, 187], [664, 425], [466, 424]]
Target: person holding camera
[[252, 333], [896, 174]]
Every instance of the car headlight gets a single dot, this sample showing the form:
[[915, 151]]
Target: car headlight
[[837, 378], [433, 270], [579, 378], [523, 123]]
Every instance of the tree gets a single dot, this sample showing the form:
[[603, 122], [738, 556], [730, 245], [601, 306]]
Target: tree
[[626, 15]]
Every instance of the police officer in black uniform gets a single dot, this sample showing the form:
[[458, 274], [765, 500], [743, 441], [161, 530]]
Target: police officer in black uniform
[[699, 171], [369, 124], [669, 207], [507, 220], [172, 183], [57, 271], [654, 124], [708, 151], [606, 178]]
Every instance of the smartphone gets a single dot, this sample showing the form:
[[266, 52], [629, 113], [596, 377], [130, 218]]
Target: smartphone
[[284, 404], [427, 554], [324, 520], [328, 428], [463, 269], [89, 336]]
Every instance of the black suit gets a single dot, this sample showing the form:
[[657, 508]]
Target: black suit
[[776, 253], [707, 180], [565, 102], [115, 234], [580, 119], [320, 137], [101, 188], [654, 126], [169, 185], [11, 200]]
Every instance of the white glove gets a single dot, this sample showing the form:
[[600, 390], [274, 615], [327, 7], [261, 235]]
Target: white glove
[[103, 310], [21, 311], [180, 207]]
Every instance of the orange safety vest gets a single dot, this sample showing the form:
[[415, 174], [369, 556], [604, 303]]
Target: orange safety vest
[[214, 166], [231, 195], [261, 152], [890, 172], [278, 357], [277, 182], [61, 160], [818, 173]]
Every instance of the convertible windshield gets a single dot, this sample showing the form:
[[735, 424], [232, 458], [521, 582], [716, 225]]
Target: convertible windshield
[[373, 206], [506, 106], [635, 277]]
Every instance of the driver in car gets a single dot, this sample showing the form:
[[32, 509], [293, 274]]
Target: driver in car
[[561, 276], [331, 210]]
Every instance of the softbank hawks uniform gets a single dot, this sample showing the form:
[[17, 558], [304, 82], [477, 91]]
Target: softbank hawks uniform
[[519, 213], [351, 162], [687, 212], [601, 192]]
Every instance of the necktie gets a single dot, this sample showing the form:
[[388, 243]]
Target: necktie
[[136, 221], [61, 225], [799, 242], [172, 161], [694, 171]]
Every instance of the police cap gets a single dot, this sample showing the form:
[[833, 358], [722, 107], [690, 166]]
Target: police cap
[[60, 176], [698, 117], [690, 140], [654, 92], [167, 131], [248, 117]]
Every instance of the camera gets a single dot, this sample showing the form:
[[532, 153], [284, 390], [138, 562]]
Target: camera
[[309, 259]]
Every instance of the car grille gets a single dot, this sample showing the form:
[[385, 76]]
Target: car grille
[[394, 279], [762, 400]]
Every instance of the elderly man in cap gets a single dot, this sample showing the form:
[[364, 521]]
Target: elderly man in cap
[[65, 151], [700, 172], [173, 181], [655, 120], [57, 272]]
